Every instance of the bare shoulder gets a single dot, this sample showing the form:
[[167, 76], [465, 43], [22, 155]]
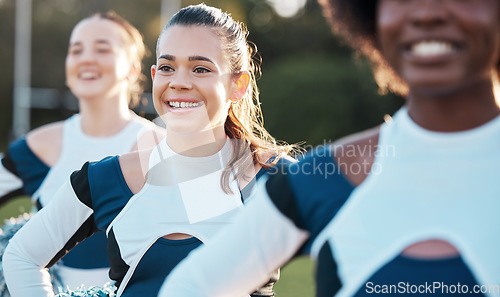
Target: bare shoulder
[[46, 142], [355, 154], [134, 166]]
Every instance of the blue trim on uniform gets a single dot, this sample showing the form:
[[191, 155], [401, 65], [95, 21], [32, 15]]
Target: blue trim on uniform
[[118, 267], [28, 166], [403, 270], [10, 166], [327, 278], [156, 264], [108, 189], [248, 191], [280, 192], [79, 180], [317, 188], [88, 254]]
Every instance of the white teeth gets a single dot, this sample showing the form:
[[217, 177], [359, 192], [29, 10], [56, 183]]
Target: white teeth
[[431, 48], [88, 75], [183, 104]]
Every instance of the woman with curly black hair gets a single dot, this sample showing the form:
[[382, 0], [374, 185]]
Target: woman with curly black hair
[[408, 207]]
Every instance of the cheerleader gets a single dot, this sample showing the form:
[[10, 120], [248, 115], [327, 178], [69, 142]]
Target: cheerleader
[[158, 205], [103, 70], [423, 218]]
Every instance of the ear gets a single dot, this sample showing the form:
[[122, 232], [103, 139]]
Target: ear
[[153, 72], [240, 85]]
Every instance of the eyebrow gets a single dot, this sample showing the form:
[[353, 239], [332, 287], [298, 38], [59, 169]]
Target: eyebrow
[[190, 58], [167, 57], [200, 58], [99, 41]]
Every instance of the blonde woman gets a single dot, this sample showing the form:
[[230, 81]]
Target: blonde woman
[[103, 70]]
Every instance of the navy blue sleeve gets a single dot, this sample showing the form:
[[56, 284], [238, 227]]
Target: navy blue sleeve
[[11, 185], [21, 161], [109, 191], [247, 193], [310, 192]]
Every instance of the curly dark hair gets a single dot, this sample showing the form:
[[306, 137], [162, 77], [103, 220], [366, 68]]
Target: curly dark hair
[[354, 21]]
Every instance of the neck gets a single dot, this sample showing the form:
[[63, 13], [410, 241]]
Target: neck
[[464, 109], [197, 144], [102, 118]]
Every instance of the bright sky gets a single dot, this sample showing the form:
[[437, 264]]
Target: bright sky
[[287, 8]]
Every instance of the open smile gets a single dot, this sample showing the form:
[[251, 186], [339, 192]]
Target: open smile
[[88, 75], [183, 104], [431, 50]]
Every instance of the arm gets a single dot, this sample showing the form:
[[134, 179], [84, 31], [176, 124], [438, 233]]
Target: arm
[[24, 167], [56, 229], [10, 183], [242, 256]]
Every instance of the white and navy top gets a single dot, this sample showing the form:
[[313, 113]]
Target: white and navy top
[[22, 172], [423, 185], [181, 195]]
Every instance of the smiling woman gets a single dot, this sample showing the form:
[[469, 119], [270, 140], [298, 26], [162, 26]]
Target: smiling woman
[[180, 68], [457, 54], [103, 70]]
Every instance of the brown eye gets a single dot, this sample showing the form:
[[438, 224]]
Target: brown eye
[[165, 68], [201, 70], [74, 51], [103, 50]]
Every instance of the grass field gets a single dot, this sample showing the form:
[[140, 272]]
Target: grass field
[[14, 208], [296, 279]]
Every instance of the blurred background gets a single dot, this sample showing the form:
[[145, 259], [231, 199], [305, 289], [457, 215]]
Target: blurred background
[[313, 88]]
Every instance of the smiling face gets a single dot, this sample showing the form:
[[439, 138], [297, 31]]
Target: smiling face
[[192, 83], [97, 65], [440, 45]]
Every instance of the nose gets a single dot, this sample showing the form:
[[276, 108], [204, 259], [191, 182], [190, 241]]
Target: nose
[[181, 80], [87, 56], [429, 13]]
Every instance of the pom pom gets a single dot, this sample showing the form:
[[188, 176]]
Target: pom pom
[[107, 291], [9, 229]]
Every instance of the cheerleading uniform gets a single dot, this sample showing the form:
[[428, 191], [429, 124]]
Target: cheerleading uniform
[[423, 185], [181, 195], [23, 171]]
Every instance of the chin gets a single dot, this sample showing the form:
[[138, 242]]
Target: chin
[[436, 84], [436, 89], [87, 96]]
